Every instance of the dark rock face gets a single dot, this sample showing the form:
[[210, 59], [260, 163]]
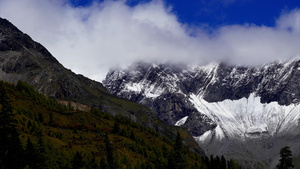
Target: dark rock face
[[166, 88], [195, 128], [23, 59], [172, 107], [281, 83], [231, 83], [163, 88]]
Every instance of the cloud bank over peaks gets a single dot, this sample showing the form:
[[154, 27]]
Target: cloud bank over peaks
[[89, 40]]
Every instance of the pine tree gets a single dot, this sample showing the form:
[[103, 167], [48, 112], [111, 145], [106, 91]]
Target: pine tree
[[212, 162], [92, 164], [51, 118], [223, 162], [6, 113], [11, 149], [30, 154], [177, 159], [77, 161], [116, 128], [231, 164], [111, 160], [41, 118], [42, 152], [286, 160], [103, 163], [132, 136], [217, 162]]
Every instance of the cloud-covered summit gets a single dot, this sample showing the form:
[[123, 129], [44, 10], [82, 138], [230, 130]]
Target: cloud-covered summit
[[91, 39]]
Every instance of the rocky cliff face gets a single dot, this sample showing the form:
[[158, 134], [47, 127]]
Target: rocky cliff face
[[21, 58], [167, 88], [163, 88], [221, 104]]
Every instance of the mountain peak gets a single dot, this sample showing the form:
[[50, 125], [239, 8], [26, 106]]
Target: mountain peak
[[12, 39], [23, 59], [223, 106], [6, 25]]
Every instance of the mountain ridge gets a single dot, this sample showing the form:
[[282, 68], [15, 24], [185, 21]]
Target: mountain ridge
[[23, 59], [209, 101]]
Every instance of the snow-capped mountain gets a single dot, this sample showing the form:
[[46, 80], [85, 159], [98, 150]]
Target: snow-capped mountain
[[247, 113]]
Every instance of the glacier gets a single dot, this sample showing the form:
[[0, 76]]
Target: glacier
[[244, 117], [250, 128]]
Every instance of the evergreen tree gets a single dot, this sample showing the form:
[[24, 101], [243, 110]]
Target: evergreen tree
[[6, 112], [112, 162], [77, 161], [11, 149], [177, 159], [92, 164], [286, 160], [42, 153], [41, 118], [165, 151], [223, 163], [212, 162], [132, 136], [231, 164], [217, 162], [51, 118], [103, 163], [116, 128], [30, 154]]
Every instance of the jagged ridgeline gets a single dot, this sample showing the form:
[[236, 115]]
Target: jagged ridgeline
[[39, 132], [21, 58], [243, 112]]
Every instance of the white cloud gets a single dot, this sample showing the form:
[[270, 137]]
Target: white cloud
[[90, 40]]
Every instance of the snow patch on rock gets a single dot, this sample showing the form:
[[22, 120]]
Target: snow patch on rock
[[181, 121]]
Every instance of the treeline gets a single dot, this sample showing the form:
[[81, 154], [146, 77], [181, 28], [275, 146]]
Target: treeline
[[39, 133], [38, 98], [215, 162]]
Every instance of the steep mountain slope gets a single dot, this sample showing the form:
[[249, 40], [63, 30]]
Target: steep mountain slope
[[224, 107], [50, 134], [23, 59]]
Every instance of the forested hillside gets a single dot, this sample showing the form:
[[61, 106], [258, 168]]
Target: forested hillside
[[38, 132]]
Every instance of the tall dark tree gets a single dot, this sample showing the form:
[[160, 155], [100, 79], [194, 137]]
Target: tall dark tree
[[177, 159], [116, 128], [42, 155], [212, 163], [111, 160], [132, 136], [92, 163], [77, 161], [30, 154], [223, 162], [286, 161], [11, 150], [103, 163], [217, 162], [6, 112], [51, 118]]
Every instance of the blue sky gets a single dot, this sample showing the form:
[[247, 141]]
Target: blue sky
[[89, 37], [216, 13]]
